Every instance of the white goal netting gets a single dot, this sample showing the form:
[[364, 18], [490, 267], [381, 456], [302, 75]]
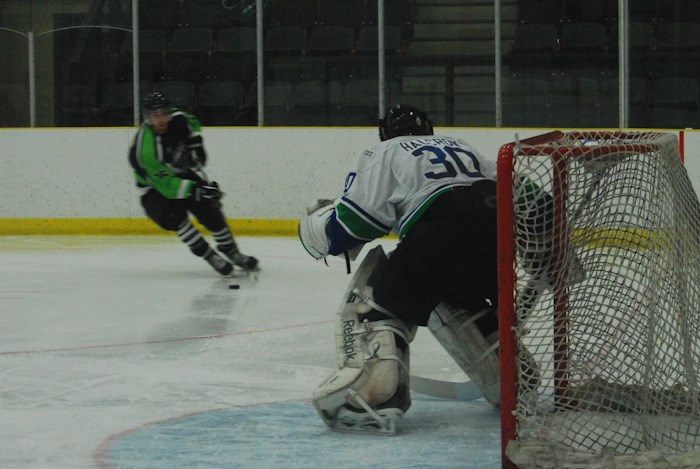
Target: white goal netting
[[606, 296]]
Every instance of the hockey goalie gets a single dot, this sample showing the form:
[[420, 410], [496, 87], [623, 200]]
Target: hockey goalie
[[438, 194]]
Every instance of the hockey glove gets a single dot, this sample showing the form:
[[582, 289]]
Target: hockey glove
[[204, 191]]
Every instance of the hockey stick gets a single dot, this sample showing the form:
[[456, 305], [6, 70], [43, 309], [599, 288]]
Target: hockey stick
[[456, 391]]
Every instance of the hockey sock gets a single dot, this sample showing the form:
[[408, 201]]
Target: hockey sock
[[225, 242], [191, 236], [227, 245]]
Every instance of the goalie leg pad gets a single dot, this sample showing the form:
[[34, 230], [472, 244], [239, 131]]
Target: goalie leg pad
[[370, 388], [358, 300], [477, 355], [370, 391]]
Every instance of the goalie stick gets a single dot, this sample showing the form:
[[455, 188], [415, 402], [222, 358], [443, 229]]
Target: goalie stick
[[456, 391]]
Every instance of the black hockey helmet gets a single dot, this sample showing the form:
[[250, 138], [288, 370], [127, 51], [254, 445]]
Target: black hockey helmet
[[404, 119], [155, 101]]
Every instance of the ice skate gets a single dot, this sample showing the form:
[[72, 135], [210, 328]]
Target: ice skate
[[377, 421], [245, 262], [219, 264]]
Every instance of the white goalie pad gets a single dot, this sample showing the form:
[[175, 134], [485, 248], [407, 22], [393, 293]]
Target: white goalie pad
[[357, 300], [369, 394], [369, 391], [477, 355]]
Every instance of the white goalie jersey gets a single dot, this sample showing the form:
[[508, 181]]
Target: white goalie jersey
[[385, 194]]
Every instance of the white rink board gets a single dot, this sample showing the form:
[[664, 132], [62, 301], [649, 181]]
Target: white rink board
[[268, 173]]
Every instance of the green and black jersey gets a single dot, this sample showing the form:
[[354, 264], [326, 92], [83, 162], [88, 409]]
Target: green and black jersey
[[163, 162]]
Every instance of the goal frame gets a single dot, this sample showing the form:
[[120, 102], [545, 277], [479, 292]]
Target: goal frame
[[508, 342], [506, 288]]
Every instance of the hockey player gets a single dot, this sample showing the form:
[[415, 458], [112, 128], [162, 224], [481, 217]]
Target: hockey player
[[167, 156], [438, 194]]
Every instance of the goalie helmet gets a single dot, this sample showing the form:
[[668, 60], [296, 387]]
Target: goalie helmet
[[404, 119], [156, 101]]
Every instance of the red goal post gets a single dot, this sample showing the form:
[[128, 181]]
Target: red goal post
[[599, 298]]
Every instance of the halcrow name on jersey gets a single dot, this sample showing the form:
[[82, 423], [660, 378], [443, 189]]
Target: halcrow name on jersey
[[413, 144], [390, 192]]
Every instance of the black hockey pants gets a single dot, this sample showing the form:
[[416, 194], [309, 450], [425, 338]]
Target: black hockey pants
[[170, 214], [449, 255]]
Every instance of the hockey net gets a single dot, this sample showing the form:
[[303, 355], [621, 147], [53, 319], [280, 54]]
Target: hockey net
[[599, 271]]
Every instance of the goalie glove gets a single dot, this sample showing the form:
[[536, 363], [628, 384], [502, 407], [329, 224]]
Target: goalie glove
[[204, 190], [312, 228]]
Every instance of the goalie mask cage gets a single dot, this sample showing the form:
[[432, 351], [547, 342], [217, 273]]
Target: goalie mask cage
[[599, 303]]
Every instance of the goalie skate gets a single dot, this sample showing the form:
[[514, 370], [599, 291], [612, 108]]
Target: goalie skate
[[368, 420]]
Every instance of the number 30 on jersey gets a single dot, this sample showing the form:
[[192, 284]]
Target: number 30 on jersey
[[448, 157]]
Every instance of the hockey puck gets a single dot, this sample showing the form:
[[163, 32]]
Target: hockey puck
[[234, 286]]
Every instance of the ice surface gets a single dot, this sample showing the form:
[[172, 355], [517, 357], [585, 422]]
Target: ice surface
[[129, 352]]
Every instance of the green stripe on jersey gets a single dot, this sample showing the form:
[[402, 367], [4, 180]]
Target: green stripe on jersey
[[359, 227], [421, 210]]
